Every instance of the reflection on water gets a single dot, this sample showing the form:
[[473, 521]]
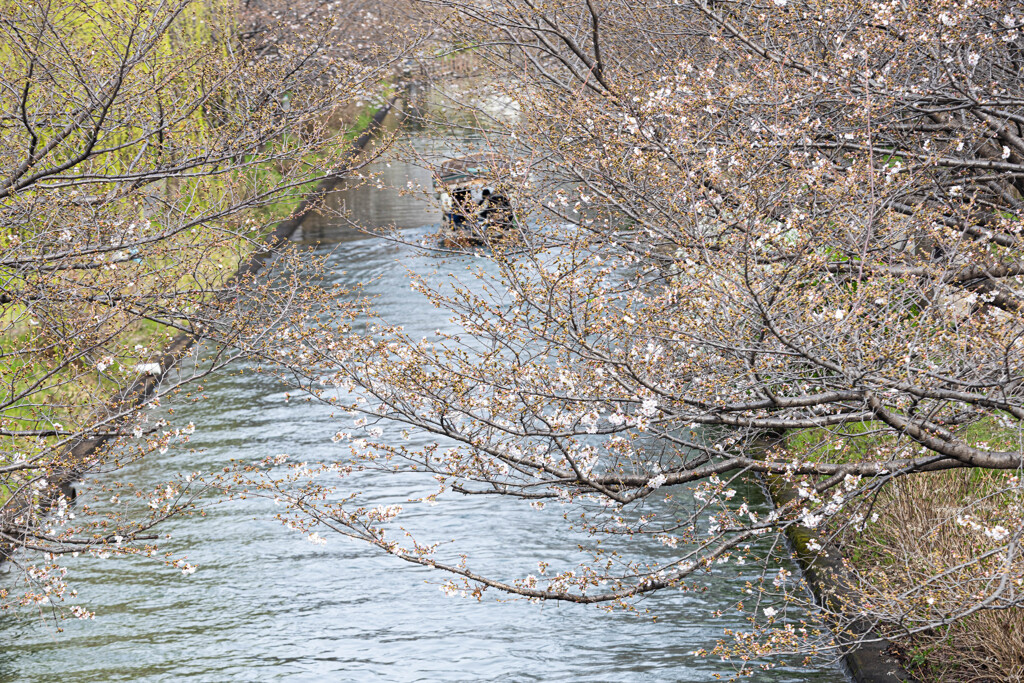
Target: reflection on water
[[399, 202], [384, 195], [268, 605]]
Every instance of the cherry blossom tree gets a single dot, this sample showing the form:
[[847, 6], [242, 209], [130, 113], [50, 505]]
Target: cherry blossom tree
[[778, 239]]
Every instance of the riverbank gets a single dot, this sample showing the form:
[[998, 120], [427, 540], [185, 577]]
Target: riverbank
[[69, 465], [916, 528], [124, 235], [867, 655]]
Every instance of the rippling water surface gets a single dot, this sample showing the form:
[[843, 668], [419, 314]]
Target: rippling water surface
[[268, 605]]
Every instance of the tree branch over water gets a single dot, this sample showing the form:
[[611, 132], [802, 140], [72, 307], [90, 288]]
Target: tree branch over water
[[778, 238]]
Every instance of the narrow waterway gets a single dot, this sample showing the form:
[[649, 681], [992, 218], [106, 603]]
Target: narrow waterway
[[266, 604]]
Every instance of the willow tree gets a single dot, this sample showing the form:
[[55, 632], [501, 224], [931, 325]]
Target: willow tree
[[145, 149], [775, 238]]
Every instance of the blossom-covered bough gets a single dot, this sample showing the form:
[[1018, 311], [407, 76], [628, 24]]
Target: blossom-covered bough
[[779, 238]]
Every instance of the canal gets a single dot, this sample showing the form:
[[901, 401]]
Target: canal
[[266, 604]]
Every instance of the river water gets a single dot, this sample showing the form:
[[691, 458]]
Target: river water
[[266, 604]]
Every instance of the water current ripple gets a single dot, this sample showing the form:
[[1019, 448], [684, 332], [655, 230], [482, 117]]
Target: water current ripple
[[267, 605]]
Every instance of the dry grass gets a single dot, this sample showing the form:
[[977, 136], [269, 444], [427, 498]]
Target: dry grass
[[917, 537]]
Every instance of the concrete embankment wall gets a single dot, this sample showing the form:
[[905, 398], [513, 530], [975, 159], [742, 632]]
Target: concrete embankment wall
[[866, 653]]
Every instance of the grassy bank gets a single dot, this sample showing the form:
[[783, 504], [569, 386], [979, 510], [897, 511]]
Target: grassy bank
[[66, 402], [925, 544], [123, 235]]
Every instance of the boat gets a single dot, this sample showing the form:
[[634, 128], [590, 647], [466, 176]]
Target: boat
[[476, 208]]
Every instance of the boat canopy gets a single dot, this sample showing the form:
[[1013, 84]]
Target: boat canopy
[[469, 167]]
